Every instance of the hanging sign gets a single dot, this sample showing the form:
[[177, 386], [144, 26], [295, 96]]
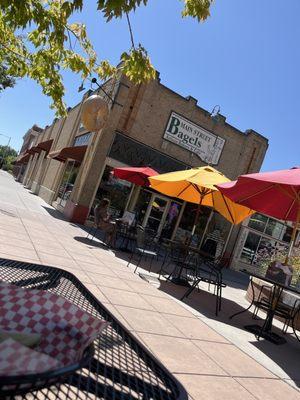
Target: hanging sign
[[192, 137]]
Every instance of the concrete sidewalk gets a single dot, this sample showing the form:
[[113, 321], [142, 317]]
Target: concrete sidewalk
[[190, 345]]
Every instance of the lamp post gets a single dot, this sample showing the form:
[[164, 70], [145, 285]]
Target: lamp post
[[9, 139]]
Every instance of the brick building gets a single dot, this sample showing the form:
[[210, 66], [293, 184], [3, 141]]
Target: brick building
[[29, 140], [71, 168]]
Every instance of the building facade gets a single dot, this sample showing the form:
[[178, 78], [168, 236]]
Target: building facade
[[148, 125], [29, 140]]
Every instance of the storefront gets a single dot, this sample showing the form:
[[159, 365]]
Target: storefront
[[147, 125], [261, 239], [169, 218]]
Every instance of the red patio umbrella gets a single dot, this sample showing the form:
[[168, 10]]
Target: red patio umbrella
[[136, 175], [276, 194]]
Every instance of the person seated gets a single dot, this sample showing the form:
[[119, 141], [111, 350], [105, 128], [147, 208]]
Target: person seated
[[104, 222]]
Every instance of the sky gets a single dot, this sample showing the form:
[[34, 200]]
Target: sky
[[244, 58]]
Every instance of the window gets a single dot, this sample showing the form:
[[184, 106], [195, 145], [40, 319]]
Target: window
[[265, 252], [187, 222], [173, 214], [250, 247], [142, 205], [116, 190], [274, 228], [258, 222], [287, 234]]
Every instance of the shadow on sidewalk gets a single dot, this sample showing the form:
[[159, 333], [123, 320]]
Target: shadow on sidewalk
[[55, 213], [90, 242], [286, 356]]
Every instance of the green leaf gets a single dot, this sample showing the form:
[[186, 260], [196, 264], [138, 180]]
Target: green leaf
[[198, 9]]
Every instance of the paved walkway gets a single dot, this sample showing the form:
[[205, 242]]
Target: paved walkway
[[208, 364]]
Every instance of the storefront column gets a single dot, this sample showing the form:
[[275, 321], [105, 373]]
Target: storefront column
[[78, 206], [39, 174], [28, 170], [35, 170], [133, 198]]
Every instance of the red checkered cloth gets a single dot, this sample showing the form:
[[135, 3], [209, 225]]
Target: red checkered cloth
[[65, 329], [15, 359]]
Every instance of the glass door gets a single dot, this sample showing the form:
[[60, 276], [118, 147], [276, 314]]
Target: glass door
[[156, 213], [67, 183]]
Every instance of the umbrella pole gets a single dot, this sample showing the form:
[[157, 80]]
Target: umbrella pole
[[197, 216], [293, 236]]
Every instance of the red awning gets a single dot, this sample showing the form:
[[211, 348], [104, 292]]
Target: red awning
[[46, 145], [75, 153], [29, 151], [24, 159], [35, 149]]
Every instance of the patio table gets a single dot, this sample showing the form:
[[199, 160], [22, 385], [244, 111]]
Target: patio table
[[121, 368], [189, 255], [265, 330]]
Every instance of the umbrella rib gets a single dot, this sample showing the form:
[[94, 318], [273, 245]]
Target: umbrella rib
[[232, 219], [184, 189], [296, 193], [213, 201], [204, 193], [257, 193], [284, 191], [289, 209]]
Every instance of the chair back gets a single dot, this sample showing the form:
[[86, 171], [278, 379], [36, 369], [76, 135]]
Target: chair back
[[146, 238]]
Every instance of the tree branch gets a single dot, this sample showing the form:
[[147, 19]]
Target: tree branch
[[130, 30]]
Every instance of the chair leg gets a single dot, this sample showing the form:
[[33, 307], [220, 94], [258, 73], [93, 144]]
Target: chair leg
[[130, 259], [140, 259], [189, 291], [285, 326], [162, 266], [217, 300], [90, 232], [151, 263], [95, 231]]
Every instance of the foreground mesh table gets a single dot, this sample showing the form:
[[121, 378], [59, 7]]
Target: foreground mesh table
[[121, 368]]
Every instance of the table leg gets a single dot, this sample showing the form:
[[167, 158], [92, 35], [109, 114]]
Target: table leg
[[265, 330], [178, 280], [293, 325], [251, 304]]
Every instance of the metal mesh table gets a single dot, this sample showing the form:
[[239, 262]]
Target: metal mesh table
[[121, 369]]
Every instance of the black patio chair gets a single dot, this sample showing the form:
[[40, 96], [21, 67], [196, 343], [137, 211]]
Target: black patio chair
[[211, 273], [126, 234], [147, 247], [92, 232], [185, 268], [93, 229], [174, 253], [286, 312]]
